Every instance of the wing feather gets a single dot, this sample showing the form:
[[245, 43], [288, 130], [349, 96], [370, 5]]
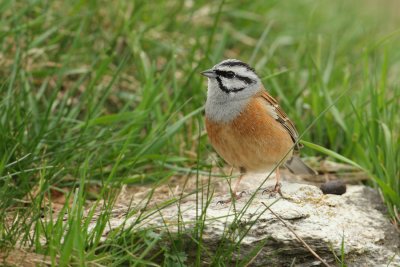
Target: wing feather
[[278, 114]]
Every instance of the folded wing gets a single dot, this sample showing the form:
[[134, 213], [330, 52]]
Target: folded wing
[[278, 114]]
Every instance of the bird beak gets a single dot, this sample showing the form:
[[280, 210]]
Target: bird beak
[[209, 73]]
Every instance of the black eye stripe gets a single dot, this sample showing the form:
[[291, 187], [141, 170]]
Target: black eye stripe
[[227, 74], [245, 79]]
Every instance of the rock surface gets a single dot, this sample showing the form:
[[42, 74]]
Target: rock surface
[[357, 219]]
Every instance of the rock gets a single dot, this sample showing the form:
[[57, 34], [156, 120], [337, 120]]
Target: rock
[[322, 221], [336, 187]]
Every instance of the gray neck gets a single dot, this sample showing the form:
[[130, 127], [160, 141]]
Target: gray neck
[[224, 111]]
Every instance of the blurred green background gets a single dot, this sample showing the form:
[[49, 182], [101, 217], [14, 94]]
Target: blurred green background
[[109, 92]]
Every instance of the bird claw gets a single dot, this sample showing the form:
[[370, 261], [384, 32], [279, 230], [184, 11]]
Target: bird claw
[[236, 197], [274, 191]]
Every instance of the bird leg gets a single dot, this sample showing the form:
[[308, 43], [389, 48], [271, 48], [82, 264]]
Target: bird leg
[[234, 191], [277, 187]]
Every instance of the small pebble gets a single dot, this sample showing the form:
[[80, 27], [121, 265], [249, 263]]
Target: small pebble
[[336, 187]]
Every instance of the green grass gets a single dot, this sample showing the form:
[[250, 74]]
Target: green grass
[[106, 93]]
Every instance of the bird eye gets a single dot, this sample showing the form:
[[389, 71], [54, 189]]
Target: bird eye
[[230, 74]]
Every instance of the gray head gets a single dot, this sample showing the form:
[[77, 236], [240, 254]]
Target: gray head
[[231, 84]]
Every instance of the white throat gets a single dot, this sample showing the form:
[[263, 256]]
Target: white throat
[[224, 111]]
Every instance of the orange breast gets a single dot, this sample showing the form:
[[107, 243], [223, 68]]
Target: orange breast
[[254, 140]]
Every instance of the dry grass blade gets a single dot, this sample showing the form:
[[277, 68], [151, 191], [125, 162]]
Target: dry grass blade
[[298, 237]]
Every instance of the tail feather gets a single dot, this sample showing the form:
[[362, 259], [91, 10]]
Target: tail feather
[[297, 166]]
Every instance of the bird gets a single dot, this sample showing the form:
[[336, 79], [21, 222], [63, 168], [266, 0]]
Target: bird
[[247, 127]]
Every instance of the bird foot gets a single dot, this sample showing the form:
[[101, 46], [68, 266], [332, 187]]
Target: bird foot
[[274, 191], [235, 196]]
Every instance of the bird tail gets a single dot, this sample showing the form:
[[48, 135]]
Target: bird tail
[[297, 166]]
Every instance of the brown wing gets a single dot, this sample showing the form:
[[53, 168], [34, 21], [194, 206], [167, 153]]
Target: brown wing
[[278, 114]]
